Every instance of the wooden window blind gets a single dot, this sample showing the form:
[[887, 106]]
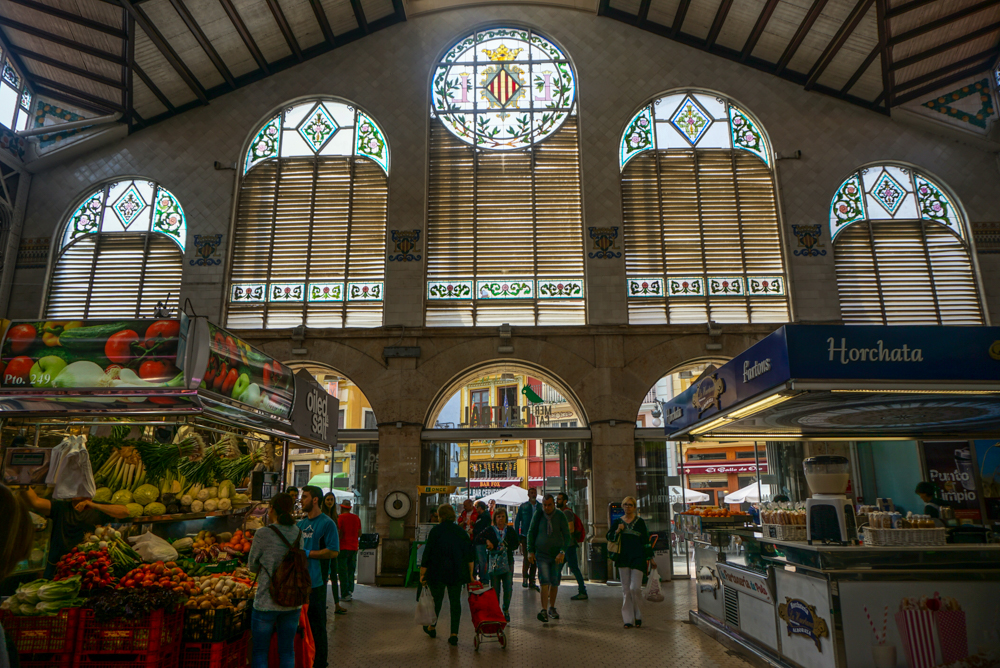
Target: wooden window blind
[[509, 214], [305, 221], [905, 273], [707, 215], [114, 276]]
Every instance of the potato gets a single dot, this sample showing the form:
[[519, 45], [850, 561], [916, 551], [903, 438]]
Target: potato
[[205, 605]]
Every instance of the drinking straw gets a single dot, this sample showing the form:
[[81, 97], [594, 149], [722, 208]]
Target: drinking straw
[[885, 622], [871, 623]]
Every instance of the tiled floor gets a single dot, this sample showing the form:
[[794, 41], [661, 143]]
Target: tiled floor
[[379, 632]]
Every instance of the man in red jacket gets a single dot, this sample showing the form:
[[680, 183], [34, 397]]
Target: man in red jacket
[[349, 525]]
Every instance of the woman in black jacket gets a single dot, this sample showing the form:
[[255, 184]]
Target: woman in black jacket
[[447, 565], [483, 522], [632, 560], [500, 541]]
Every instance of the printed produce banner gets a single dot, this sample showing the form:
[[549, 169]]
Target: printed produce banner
[[240, 372], [106, 354]]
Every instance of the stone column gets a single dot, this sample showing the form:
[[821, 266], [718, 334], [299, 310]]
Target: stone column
[[613, 453], [398, 471]]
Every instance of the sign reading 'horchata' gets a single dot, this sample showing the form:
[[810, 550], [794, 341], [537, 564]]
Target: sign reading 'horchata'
[[878, 352]]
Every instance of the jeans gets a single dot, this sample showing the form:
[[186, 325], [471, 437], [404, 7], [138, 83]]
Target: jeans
[[263, 625], [631, 594], [454, 602], [482, 562], [548, 570], [573, 563], [507, 579], [317, 622], [329, 572], [347, 564], [527, 568]]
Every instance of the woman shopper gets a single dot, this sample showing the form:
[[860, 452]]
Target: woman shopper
[[267, 552], [328, 567], [632, 560], [483, 522], [446, 566], [500, 542], [16, 536]]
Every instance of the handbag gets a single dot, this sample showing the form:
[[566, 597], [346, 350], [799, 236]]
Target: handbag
[[497, 561], [615, 546]]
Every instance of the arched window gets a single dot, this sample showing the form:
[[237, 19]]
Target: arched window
[[309, 241], [702, 240], [901, 250], [505, 213], [120, 252]]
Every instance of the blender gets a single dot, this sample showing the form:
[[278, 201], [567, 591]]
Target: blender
[[829, 513]]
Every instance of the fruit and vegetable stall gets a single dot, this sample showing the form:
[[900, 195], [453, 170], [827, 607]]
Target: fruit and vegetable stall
[[170, 419]]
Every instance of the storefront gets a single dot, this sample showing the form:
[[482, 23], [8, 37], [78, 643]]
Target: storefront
[[847, 417]]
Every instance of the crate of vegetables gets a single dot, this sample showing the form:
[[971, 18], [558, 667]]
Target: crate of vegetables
[[145, 620], [229, 654], [42, 616], [218, 612]]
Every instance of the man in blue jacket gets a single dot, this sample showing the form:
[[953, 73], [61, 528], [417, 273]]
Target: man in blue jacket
[[521, 524]]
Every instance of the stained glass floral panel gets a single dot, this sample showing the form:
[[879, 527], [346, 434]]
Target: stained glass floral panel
[[560, 288], [326, 292], [370, 141], [505, 288], [936, 206], [766, 285], [264, 145], [365, 292], [448, 290], [746, 135], [725, 286], [638, 137], [285, 292], [10, 75], [168, 217], [645, 287], [248, 293], [86, 219], [26, 99], [847, 206], [692, 286]]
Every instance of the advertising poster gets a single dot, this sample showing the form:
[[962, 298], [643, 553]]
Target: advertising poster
[[79, 354], [805, 623], [988, 461], [951, 469], [920, 624], [242, 373]]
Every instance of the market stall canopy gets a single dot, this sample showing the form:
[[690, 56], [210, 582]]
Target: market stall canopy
[[749, 494], [169, 366], [683, 495], [508, 496], [818, 382]]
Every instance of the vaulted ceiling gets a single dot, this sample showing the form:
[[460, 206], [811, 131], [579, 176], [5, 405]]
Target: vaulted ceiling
[[152, 59]]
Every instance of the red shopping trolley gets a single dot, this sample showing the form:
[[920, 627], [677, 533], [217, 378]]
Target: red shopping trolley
[[487, 617]]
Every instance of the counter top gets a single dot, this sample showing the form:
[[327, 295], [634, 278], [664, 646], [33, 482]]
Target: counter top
[[819, 547]]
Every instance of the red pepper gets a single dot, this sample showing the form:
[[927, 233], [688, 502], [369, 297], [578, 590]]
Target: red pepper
[[230, 381], [217, 383]]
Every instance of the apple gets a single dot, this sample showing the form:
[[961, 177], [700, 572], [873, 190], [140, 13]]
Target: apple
[[241, 385], [44, 371]]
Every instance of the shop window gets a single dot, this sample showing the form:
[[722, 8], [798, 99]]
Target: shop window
[[309, 241], [340, 419], [701, 236], [703, 456], [370, 421], [902, 250], [505, 213], [120, 253], [747, 455], [300, 476]]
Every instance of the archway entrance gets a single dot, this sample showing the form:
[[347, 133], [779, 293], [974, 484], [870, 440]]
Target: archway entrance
[[498, 430], [351, 470]]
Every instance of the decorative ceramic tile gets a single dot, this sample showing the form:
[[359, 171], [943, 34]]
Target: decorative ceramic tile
[[605, 243], [728, 286], [206, 245], [325, 292], [505, 288], [406, 243], [444, 290], [809, 240], [365, 292], [766, 285], [286, 292], [686, 287], [248, 292], [560, 288], [645, 287]]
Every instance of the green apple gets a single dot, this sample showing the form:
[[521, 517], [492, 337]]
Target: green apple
[[242, 383], [44, 371]]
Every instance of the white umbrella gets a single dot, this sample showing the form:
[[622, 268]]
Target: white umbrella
[[748, 494], [514, 495], [679, 495]]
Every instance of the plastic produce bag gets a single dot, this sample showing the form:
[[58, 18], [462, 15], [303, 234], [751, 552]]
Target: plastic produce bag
[[57, 453], [153, 548], [424, 615], [653, 592], [73, 477]]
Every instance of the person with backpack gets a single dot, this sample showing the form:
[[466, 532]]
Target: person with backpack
[[283, 583], [500, 542], [579, 533], [446, 566], [320, 541]]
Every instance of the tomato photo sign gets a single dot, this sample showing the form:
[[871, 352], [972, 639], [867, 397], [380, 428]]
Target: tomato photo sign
[[106, 354], [240, 372]]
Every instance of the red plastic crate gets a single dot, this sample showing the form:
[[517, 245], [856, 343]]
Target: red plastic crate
[[54, 634], [46, 660], [229, 654], [166, 658], [159, 632]]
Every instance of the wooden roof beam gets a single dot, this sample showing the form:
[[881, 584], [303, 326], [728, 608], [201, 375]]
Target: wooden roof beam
[[244, 33], [79, 94], [72, 18], [66, 67], [286, 30], [101, 109], [323, 21], [943, 21], [758, 29], [937, 85], [153, 88], [720, 19], [165, 49], [984, 58], [359, 16], [643, 15], [203, 41], [908, 7], [865, 64], [62, 41], [682, 10], [800, 34], [128, 95], [881, 7], [833, 48], [947, 46]]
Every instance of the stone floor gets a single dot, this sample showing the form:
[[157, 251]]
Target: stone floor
[[379, 632]]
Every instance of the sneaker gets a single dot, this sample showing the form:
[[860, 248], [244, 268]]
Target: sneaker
[[535, 587], [347, 597], [543, 616], [582, 596], [553, 614]]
